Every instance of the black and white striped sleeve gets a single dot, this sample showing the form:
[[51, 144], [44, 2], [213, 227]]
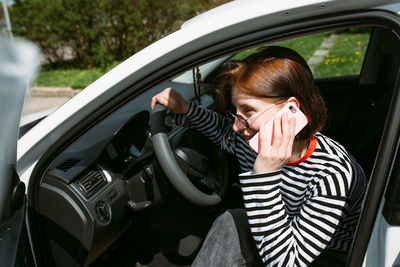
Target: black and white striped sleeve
[[210, 124], [292, 241]]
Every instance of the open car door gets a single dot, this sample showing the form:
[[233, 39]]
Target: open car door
[[18, 63]]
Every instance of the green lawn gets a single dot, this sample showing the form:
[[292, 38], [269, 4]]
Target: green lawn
[[345, 58], [74, 78], [70, 77], [304, 45]]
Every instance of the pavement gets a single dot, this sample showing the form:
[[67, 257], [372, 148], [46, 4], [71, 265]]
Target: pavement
[[43, 98], [36, 104]]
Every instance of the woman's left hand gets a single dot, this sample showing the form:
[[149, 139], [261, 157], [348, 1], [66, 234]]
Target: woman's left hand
[[275, 148]]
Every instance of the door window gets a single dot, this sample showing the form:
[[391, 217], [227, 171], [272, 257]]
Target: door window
[[334, 53]]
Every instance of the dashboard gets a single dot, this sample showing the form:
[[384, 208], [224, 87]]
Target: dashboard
[[99, 190]]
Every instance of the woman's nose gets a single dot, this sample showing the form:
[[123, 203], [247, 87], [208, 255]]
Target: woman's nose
[[237, 127]]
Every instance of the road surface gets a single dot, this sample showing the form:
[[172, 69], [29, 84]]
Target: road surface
[[35, 104]]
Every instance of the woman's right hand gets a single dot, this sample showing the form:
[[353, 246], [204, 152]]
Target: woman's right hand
[[172, 100], [275, 149]]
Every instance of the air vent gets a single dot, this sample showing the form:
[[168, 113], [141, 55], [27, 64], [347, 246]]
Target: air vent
[[68, 164], [91, 182]]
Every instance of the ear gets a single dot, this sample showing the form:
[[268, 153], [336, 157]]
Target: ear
[[294, 101]]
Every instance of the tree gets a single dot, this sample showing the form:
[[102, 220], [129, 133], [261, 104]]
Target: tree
[[97, 32]]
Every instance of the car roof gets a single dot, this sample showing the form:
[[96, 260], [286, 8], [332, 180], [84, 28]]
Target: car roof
[[245, 9]]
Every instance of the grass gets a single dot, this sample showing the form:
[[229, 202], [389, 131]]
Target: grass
[[304, 45], [66, 76], [344, 58], [74, 78]]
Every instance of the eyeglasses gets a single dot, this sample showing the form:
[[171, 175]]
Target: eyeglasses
[[245, 122]]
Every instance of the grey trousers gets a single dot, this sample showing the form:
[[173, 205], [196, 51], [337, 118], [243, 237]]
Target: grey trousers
[[228, 243]]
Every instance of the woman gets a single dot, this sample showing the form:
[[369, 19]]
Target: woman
[[302, 193]]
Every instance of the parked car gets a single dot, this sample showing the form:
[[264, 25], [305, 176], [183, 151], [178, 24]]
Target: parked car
[[109, 181]]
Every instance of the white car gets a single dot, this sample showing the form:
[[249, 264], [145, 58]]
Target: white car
[[110, 182]]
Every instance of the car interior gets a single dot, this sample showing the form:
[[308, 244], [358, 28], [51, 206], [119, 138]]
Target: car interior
[[106, 201]]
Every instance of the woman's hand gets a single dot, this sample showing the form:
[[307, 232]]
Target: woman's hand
[[172, 100], [275, 148]]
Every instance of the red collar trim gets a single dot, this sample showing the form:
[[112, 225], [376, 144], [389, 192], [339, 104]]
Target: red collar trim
[[310, 150]]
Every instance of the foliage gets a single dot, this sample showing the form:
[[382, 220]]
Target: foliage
[[95, 32]]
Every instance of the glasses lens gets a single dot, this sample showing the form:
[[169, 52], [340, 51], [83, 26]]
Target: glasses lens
[[242, 121], [239, 117]]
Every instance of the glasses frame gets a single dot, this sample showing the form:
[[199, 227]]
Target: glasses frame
[[245, 122]]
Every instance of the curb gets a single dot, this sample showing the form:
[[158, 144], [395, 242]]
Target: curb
[[39, 91]]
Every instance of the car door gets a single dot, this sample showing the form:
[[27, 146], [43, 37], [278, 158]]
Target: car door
[[18, 61]]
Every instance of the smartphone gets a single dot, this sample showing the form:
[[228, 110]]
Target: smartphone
[[293, 111]]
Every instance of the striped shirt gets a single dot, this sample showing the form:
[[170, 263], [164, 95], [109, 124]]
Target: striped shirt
[[300, 210]]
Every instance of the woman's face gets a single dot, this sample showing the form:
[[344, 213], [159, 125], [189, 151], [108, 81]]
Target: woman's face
[[255, 110]]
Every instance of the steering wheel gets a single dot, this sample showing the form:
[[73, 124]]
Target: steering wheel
[[171, 168]]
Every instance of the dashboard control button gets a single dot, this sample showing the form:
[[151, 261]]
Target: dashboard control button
[[103, 211], [112, 194]]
